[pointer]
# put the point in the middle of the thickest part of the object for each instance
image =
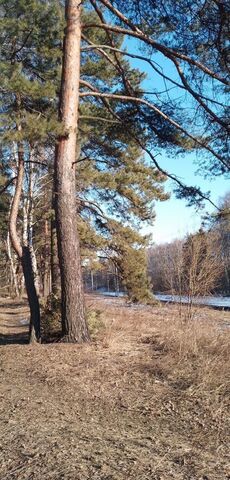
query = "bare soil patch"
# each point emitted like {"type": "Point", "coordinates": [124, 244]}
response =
{"type": "Point", "coordinates": [146, 400]}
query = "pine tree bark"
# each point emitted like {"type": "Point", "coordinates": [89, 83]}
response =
{"type": "Point", "coordinates": [23, 253]}
{"type": "Point", "coordinates": [74, 326]}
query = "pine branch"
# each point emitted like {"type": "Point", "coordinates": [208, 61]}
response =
{"type": "Point", "coordinates": [3, 189]}
{"type": "Point", "coordinates": [21, 46]}
{"type": "Point", "coordinates": [190, 191]}
{"type": "Point", "coordinates": [197, 96]}
{"type": "Point", "coordinates": [152, 63]}
{"type": "Point", "coordinates": [119, 67]}
{"type": "Point", "coordinates": [36, 163]}
{"type": "Point", "coordinates": [138, 33]}
{"type": "Point", "coordinates": [142, 101]}
{"type": "Point", "coordinates": [97, 118]}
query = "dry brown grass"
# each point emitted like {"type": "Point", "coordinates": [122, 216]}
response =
{"type": "Point", "coordinates": [147, 400]}
{"type": "Point", "coordinates": [193, 356]}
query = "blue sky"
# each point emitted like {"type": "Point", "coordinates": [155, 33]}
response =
{"type": "Point", "coordinates": [173, 218]}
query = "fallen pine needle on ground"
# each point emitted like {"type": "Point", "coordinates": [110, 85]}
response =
{"type": "Point", "coordinates": [147, 399]}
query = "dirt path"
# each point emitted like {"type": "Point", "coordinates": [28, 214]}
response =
{"type": "Point", "coordinates": [102, 411]}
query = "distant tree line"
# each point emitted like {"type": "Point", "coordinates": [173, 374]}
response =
{"type": "Point", "coordinates": [198, 264]}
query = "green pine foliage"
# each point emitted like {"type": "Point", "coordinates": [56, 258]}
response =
{"type": "Point", "coordinates": [199, 30]}
{"type": "Point", "coordinates": [117, 185]}
{"type": "Point", "coordinates": [30, 60]}
{"type": "Point", "coordinates": [128, 251]}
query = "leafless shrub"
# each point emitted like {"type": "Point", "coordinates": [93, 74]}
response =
{"type": "Point", "coordinates": [201, 267]}
{"type": "Point", "coordinates": [189, 269]}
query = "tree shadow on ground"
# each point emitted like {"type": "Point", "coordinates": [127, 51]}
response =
{"type": "Point", "coordinates": [14, 326]}
{"type": "Point", "coordinates": [7, 312]}
{"type": "Point", "coordinates": [14, 338]}
{"type": "Point", "coordinates": [12, 305]}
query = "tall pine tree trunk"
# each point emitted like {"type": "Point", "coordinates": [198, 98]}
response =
{"type": "Point", "coordinates": [23, 253]}
{"type": "Point", "coordinates": [74, 324]}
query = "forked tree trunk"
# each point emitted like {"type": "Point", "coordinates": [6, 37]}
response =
{"type": "Point", "coordinates": [23, 253]}
{"type": "Point", "coordinates": [74, 326]}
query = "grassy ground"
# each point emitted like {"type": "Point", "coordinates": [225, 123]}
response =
{"type": "Point", "coordinates": [147, 399]}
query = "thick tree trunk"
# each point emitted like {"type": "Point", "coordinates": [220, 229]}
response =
{"type": "Point", "coordinates": [74, 324]}
{"type": "Point", "coordinates": [24, 254]}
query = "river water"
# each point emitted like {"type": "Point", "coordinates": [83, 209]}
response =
{"type": "Point", "coordinates": [211, 301]}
